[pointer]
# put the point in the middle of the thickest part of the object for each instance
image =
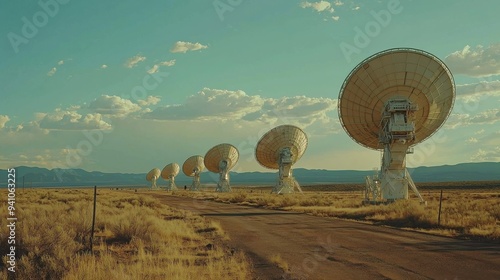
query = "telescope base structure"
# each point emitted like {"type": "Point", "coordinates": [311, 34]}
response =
{"type": "Point", "coordinates": [392, 186]}
{"type": "Point", "coordinates": [286, 182]}
{"type": "Point", "coordinates": [171, 185]}
{"type": "Point", "coordinates": [153, 184]}
{"type": "Point", "coordinates": [286, 185]}
{"type": "Point", "coordinates": [223, 186]}
{"type": "Point", "coordinates": [195, 186]}
{"type": "Point", "coordinates": [397, 135]}
{"type": "Point", "coordinates": [373, 192]}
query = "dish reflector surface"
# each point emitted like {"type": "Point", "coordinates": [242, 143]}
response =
{"type": "Point", "coordinates": [191, 163]}
{"type": "Point", "coordinates": [169, 170]}
{"type": "Point", "coordinates": [155, 172]}
{"type": "Point", "coordinates": [410, 73]}
{"type": "Point", "coordinates": [269, 146]}
{"type": "Point", "coordinates": [220, 152]}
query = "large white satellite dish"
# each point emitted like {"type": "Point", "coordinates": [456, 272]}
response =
{"type": "Point", "coordinates": [279, 149]}
{"type": "Point", "coordinates": [391, 101]}
{"type": "Point", "coordinates": [220, 159]}
{"type": "Point", "coordinates": [168, 173]}
{"type": "Point", "coordinates": [152, 176]}
{"type": "Point", "coordinates": [192, 167]}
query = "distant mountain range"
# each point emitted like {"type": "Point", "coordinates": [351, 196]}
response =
{"type": "Point", "coordinates": [42, 177]}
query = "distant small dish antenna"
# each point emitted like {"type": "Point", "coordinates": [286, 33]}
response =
{"type": "Point", "coordinates": [152, 176]}
{"type": "Point", "coordinates": [392, 101]}
{"type": "Point", "coordinates": [192, 167]}
{"type": "Point", "coordinates": [280, 148]}
{"type": "Point", "coordinates": [221, 159]}
{"type": "Point", "coordinates": [168, 173]}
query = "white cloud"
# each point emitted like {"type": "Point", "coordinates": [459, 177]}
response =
{"type": "Point", "coordinates": [54, 69]}
{"type": "Point", "coordinates": [320, 6]}
{"type": "Point", "coordinates": [481, 131]}
{"type": "Point", "coordinates": [487, 117]}
{"type": "Point", "coordinates": [45, 158]}
{"type": "Point", "coordinates": [224, 105]}
{"type": "Point", "coordinates": [32, 127]}
{"type": "Point", "coordinates": [113, 106]}
{"type": "Point", "coordinates": [72, 120]}
{"type": "Point", "coordinates": [356, 8]}
{"type": "Point", "coordinates": [456, 120]}
{"type": "Point", "coordinates": [39, 116]}
{"type": "Point", "coordinates": [150, 100]}
{"type": "Point", "coordinates": [298, 109]}
{"type": "Point", "coordinates": [471, 140]}
{"type": "Point", "coordinates": [168, 63]}
{"type": "Point", "coordinates": [478, 62]}
{"type": "Point", "coordinates": [491, 139]}
{"type": "Point", "coordinates": [3, 120]}
{"type": "Point", "coordinates": [487, 155]}
{"type": "Point", "coordinates": [314, 115]}
{"type": "Point", "coordinates": [133, 61]}
{"type": "Point", "coordinates": [104, 66]}
{"type": "Point", "coordinates": [52, 72]}
{"type": "Point", "coordinates": [473, 92]}
{"type": "Point", "coordinates": [183, 47]}
{"type": "Point", "coordinates": [153, 69]}
{"type": "Point", "coordinates": [239, 118]}
{"type": "Point", "coordinates": [461, 120]}
{"type": "Point", "coordinates": [325, 8]}
{"type": "Point", "coordinates": [210, 103]}
{"type": "Point", "coordinates": [156, 67]}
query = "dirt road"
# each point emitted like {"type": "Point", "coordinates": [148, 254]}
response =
{"type": "Point", "coordinates": [325, 248]}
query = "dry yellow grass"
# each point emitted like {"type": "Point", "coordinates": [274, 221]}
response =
{"type": "Point", "coordinates": [280, 262]}
{"type": "Point", "coordinates": [136, 238]}
{"type": "Point", "coordinates": [465, 213]}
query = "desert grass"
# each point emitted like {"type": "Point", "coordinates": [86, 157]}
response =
{"type": "Point", "coordinates": [466, 213]}
{"type": "Point", "coordinates": [136, 237]}
{"type": "Point", "coordinates": [280, 262]}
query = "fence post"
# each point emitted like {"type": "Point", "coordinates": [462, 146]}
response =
{"type": "Point", "coordinates": [93, 220]}
{"type": "Point", "coordinates": [439, 213]}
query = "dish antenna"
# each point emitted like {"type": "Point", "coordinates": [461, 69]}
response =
{"type": "Point", "coordinates": [279, 149]}
{"type": "Point", "coordinates": [392, 101]}
{"type": "Point", "coordinates": [220, 159]}
{"type": "Point", "coordinates": [168, 173]}
{"type": "Point", "coordinates": [152, 176]}
{"type": "Point", "coordinates": [192, 167]}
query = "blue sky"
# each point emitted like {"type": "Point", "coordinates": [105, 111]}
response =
{"type": "Point", "coordinates": [128, 86]}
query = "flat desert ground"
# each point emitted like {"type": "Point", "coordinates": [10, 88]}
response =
{"type": "Point", "coordinates": [314, 247]}
{"type": "Point", "coordinates": [323, 233]}
{"type": "Point", "coordinates": [327, 248]}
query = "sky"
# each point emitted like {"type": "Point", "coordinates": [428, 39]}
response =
{"type": "Point", "coordinates": [126, 86]}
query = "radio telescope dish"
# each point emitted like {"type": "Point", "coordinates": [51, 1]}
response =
{"type": "Point", "coordinates": [192, 167]}
{"type": "Point", "coordinates": [168, 173]}
{"type": "Point", "coordinates": [220, 159]}
{"type": "Point", "coordinates": [152, 176]}
{"type": "Point", "coordinates": [391, 101]}
{"type": "Point", "coordinates": [280, 148]}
